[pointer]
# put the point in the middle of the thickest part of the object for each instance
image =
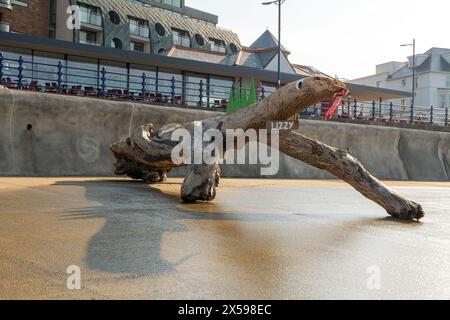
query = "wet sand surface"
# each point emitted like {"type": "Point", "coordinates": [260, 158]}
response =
{"type": "Point", "coordinates": [260, 239]}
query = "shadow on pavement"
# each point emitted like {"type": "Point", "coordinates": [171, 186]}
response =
{"type": "Point", "coordinates": [138, 216]}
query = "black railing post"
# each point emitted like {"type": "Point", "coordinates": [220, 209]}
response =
{"type": "Point", "coordinates": [59, 81]}
{"type": "Point", "coordinates": [411, 120]}
{"type": "Point", "coordinates": [374, 105]}
{"type": "Point", "coordinates": [200, 96]}
{"type": "Point", "coordinates": [144, 86]}
{"type": "Point", "coordinates": [431, 115]}
{"type": "Point", "coordinates": [446, 117]}
{"type": "Point", "coordinates": [173, 90]}
{"type": "Point", "coordinates": [348, 107]}
{"type": "Point", "coordinates": [380, 111]}
{"type": "Point", "coordinates": [391, 112]}
{"type": "Point", "coordinates": [103, 79]}
{"type": "Point", "coordinates": [355, 109]}
{"type": "Point", "coordinates": [20, 75]}
{"type": "Point", "coordinates": [1, 68]}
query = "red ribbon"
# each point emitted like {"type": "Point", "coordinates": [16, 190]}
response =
{"type": "Point", "coordinates": [337, 101]}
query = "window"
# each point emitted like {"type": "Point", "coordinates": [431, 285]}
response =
{"type": "Point", "coordinates": [403, 83]}
{"type": "Point", "coordinates": [137, 46]}
{"type": "Point", "coordinates": [116, 43]}
{"type": "Point", "coordinates": [181, 37]}
{"type": "Point", "coordinates": [52, 20]}
{"type": "Point", "coordinates": [193, 83]}
{"type": "Point", "coordinates": [173, 3]}
{"type": "Point", "coordinates": [217, 45]}
{"type": "Point", "coordinates": [116, 75]}
{"type": "Point", "coordinates": [114, 17]}
{"type": "Point", "coordinates": [219, 89]}
{"type": "Point", "coordinates": [416, 83]}
{"type": "Point", "coordinates": [269, 88]}
{"type": "Point", "coordinates": [444, 99]}
{"type": "Point", "coordinates": [199, 40]}
{"type": "Point", "coordinates": [160, 29]}
{"type": "Point", "coordinates": [139, 27]}
{"type": "Point", "coordinates": [378, 84]}
{"type": "Point", "coordinates": [447, 82]}
{"type": "Point", "coordinates": [136, 78]}
{"type": "Point", "coordinates": [90, 15]}
{"type": "Point", "coordinates": [11, 68]}
{"type": "Point", "coordinates": [82, 71]}
{"type": "Point", "coordinates": [45, 67]}
{"type": "Point", "coordinates": [164, 85]}
{"type": "Point", "coordinates": [234, 48]}
{"type": "Point", "coordinates": [88, 37]}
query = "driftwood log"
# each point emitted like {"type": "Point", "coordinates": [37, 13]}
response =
{"type": "Point", "coordinates": [147, 154]}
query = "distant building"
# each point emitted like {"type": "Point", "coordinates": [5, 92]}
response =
{"type": "Point", "coordinates": [309, 71]}
{"type": "Point", "coordinates": [146, 47]}
{"type": "Point", "coordinates": [432, 82]}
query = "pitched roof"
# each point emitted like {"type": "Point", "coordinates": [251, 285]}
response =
{"type": "Point", "coordinates": [308, 71]}
{"type": "Point", "coordinates": [155, 15]}
{"type": "Point", "coordinates": [434, 60]}
{"type": "Point", "coordinates": [267, 40]}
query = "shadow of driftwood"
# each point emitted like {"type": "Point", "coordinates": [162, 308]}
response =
{"type": "Point", "coordinates": [137, 217]}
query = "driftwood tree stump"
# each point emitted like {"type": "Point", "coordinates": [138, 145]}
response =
{"type": "Point", "coordinates": [147, 154]}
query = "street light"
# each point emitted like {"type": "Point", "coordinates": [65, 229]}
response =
{"type": "Point", "coordinates": [413, 45]}
{"type": "Point", "coordinates": [279, 3]}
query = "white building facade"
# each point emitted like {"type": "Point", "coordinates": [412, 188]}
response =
{"type": "Point", "coordinates": [432, 78]}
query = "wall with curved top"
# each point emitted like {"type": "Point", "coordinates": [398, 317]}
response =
{"type": "Point", "coordinates": [52, 135]}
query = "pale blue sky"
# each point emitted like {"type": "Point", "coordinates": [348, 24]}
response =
{"type": "Point", "coordinates": [343, 37]}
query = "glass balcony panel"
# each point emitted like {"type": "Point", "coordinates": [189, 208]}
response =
{"type": "Point", "coordinates": [181, 41]}
{"type": "Point", "coordinates": [91, 18]}
{"type": "Point", "coordinates": [140, 31]}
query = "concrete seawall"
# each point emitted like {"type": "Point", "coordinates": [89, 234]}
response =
{"type": "Point", "coordinates": [52, 135]}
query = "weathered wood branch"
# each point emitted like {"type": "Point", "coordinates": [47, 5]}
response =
{"type": "Point", "coordinates": [153, 148]}
{"type": "Point", "coordinates": [147, 154]}
{"type": "Point", "coordinates": [349, 169]}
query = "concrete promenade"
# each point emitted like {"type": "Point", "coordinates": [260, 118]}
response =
{"type": "Point", "coordinates": [52, 135]}
{"type": "Point", "coordinates": [259, 240]}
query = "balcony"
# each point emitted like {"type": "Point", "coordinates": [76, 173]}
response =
{"type": "Point", "coordinates": [5, 5]}
{"type": "Point", "coordinates": [181, 41]}
{"type": "Point", "coordinates": [4, 27]}
{"type": "Point", "coordinates": [140, 31]}
{"type": "Point", "coordinates": [92, 19]}
{"type": "Point", "coordinates": [89, 42]}
{"type": "Point", "coordinates": [218, 48]}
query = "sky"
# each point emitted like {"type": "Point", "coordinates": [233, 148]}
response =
{"type": "Point", "coordinates": [347, 38]}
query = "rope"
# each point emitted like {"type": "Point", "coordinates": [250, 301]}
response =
{"type": "Point", "coordinates": [337, 101]}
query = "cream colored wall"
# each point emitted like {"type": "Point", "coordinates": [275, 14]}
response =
{"type": "Point", "coordinates": [62, 32]}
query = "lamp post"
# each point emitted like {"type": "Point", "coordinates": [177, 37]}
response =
{"type": "Point", "coordinates": [413, 45]}
{"type": "Point", "coordinates": [279, 3]}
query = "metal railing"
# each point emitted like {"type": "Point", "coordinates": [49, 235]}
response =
{"type": "Point", "coordinates": [106, 82]}
{"type": "Point", "coordinates": [181, 40]}
{"type": "Point", "coordinates": [91, 18]}
{"type": "Point", "coordinates": [141, 31]}
{"type": "Point", "coordinates": [93, 43]}
{"type": "Point", "coordinates": [382, 112]}
{"type": "Point", "coordinates": [218, 48]}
